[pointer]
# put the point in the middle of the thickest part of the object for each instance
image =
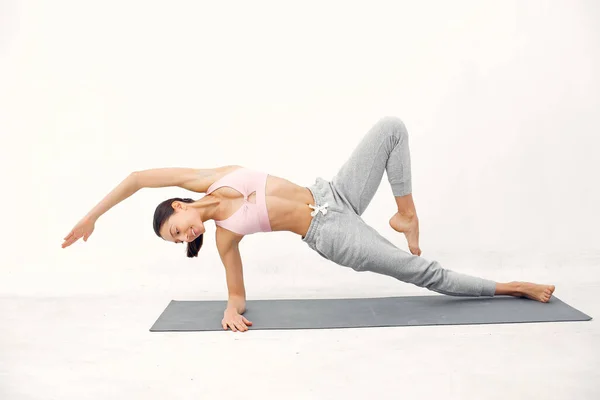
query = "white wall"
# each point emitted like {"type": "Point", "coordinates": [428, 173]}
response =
{"type": "Point", "coordinates": [501, 100]}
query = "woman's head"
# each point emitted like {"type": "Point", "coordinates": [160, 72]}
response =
{"type": "Point", "coordinates": [176, 221]}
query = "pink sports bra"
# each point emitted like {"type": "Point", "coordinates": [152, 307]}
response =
{"type": "Point", "coordinates": [250, 217]}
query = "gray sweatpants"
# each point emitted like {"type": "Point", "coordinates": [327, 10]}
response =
{"type": "Point", "coordinates": [339, 234]}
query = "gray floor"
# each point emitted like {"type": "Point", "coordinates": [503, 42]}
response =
{"type": "Point", "coordinates": [97, 346]}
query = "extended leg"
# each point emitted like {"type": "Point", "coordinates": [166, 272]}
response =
{"type": "Point", "coordinates": [348, 240]}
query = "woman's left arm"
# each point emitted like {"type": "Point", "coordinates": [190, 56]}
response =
{"type": "Point", "coordinates": [187, 178]}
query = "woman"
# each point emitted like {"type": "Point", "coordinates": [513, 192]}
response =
{"type": "Point", "coordinates": [326, 215]}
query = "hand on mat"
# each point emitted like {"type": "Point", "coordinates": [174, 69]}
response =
{"type": "Point", "coordinates": [236, 321]}
{"type": "Point", "coordinates": [83, 229]}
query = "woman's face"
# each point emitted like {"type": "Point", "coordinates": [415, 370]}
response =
{"type": "Point", "coordinates": [184, 225]}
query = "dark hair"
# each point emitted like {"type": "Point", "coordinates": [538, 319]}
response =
{"type": "Point", "coordinates": [163, 211]}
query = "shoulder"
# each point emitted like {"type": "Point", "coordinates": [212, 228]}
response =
{"type": "Point", "coordinates": [219, 172]}
{"type": "Point", "coordinates": [201, 179]}
{"type": "Point", "coordinates": [222, 170]}
{"type": "Point", "coordinates": [230, 167]}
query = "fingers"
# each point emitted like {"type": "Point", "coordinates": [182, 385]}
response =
{"type": "Point", "coordinates": [242, 323]}
{"type": "Point", "coordinates": [415, 251]}
{"type": "Point", "coordinates": [236, 325]}
{"type": "Point", "coordinates": [72, 238]}
{"type": "Point", "coordinates": [240, 326]}
{"type": "Point", "coordinates": [229, 324]}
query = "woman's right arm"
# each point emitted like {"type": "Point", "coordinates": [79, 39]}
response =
{"type": "Point", "coordinates": [85, 227]}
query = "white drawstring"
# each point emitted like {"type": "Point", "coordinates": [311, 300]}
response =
{"type": "Point", "coordinates": [322, 208]}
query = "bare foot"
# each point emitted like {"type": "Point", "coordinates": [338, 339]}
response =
{"type": "Point", "coordinates": [409, 225]}
{"type": "Point", "coordinates": [535, 291]}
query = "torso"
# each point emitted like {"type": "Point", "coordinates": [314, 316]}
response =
{"type": "Point", "coordinates": [287, 202]}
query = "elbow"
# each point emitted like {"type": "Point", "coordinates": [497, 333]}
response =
{"type": "Point", "coordinates": [134, 178]}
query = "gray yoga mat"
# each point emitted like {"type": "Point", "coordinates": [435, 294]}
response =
{"type": "Point", "coordinates": [367, 312]}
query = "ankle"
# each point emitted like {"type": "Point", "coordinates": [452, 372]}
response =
{"type": "Point", "coordinates": [516, 287]}
{"type": "Point", "coordinates": [407, 213]}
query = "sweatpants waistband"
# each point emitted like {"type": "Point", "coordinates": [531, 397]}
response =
{"type": "Point", "coordinates": [325, 202]}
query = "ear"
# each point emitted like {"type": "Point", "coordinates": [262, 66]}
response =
{"type": "Point", "coordinates": [178, 205]}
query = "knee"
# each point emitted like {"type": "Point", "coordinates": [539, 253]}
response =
{"type": "Point", "coordinates": [392, 126]}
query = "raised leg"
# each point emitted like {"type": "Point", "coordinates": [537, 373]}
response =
{"type": "Point", "coordinates": [383, 148]}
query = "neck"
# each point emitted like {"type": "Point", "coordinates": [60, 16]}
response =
{"type": "Point", "coordinates": [207, 207]}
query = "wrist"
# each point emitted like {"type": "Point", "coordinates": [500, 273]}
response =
{"type": "Point", "coordinates": [231, 309]}
{"type": "Point", "coordinates": [91, 217]}
{"type": "Point", "coordinates": [236, 308]}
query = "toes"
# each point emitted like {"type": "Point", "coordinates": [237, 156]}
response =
{"type": "Point", "coordinates": [415, 251]}
{"type": "Point", "coordinates": [546, 297]}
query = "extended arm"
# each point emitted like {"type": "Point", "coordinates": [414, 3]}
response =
{"type": "Point", "coordinates": [125, 189]}
{"type": "Point", "coordinates": [85, 226]}
{"type": "Point", "coordinates": [187, 178]}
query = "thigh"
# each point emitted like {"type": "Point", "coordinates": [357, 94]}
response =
{"type": "Point", "coordinates": [347, 240]}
